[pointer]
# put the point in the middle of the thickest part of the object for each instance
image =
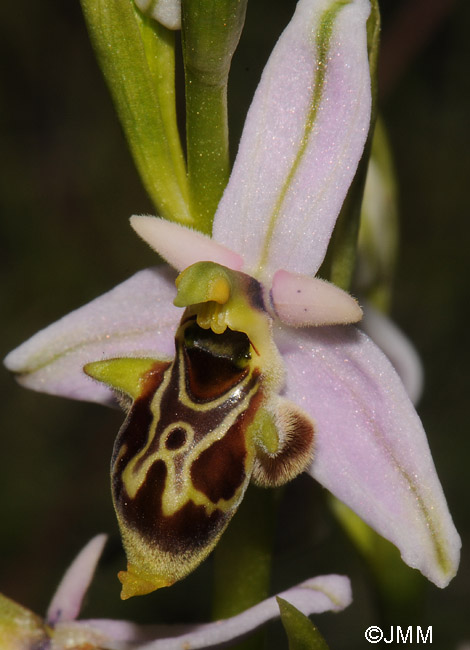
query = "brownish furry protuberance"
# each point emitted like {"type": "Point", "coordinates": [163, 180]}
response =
{"type": "Point", "coordinates": [295, 451]}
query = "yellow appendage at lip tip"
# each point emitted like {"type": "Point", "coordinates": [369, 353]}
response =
{"type": "Point", "coordinates": [134, 584]}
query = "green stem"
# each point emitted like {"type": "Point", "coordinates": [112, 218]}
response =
{"type": "Point", "coordinates": [210, 30]}
{"type": "Point", "coordinates": [243, 559]}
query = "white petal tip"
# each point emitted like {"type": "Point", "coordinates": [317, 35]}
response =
{"type": "Point", "coordinates": [166, 12]}
{"type": "Point", "coordinates": [301, 301]}
{"type": "Point", "coordinates": [336, 589]}
{"type": "Point", "coordinates": [440, 566]}
{"type": "Point", "coordinates": [180, 246]}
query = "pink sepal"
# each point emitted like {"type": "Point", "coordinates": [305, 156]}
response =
{"type": "Point", "coordinates": [135, 319]}
{"type": "Point", "coordinates": [371, 450]}
{"type": "Point", "coordinates": [303, 137]}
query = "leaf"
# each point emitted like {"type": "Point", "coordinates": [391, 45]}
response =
{"type": "Point", "coordinates": [136, 56]}
{"type": "Point", "coordinates": [301, 632]}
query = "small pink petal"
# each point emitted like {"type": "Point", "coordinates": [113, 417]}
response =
{"type": "Point", "coordinates": [181, 246]}
{"type": "Point", "coordinates": [301, 142]}
{"type": "Point", "coordinates": [67, 600]}
{"type": "Point", "coordinates": [371, 450]}
{"type": "Point", "coordinates": [136, 318]}
{"type": "Point", "coordinates": [301, 300]}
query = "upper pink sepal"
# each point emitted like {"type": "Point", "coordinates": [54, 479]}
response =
{"type": "Point", "coordinates": [301, 143]}
{"type": "Point", "coordinates": [181, 246]}
{"type": "Point", "coordinates": [302, 301]}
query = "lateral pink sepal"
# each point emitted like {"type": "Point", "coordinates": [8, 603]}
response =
{"type": "Point", "coordinates": [302, 301]}
{"type": "Point", "coordinates": [135, 319]}
{"type": "Point", "coordinates": [181, 246]}
{"type": "Point", "coordinates": [371, 450]}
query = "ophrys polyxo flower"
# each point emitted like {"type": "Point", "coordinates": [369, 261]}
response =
{"type": "Point", "coordinates": [200, 427]}
{"type": "Point", "coordinates": [302, 140]}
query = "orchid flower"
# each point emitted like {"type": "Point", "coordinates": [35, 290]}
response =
{"type": "Point", "coordinates": [21, 629]}
{"type": "Point", "coordinates": [307, 390]}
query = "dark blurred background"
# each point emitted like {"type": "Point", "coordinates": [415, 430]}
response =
{"type": "Point", "coordinates": [67, 188]}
